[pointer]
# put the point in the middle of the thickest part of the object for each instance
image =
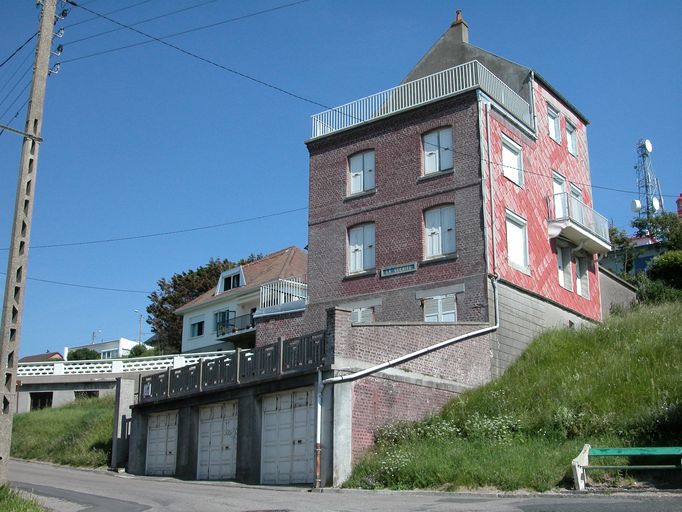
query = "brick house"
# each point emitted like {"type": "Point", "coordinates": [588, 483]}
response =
{"type": "Point", "coordinates": [450, 221]}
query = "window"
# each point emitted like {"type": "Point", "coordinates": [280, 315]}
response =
{"type": "Point", "coordinates": [554, 123]}
{"type": "Point", "coordinates": [576, 200]}
{"type": "Point", "coordinates": [363, 315]}
{"type": "Point", "coordinates": [361, 248]}
{"type": "Point", "coordinates": [564, 267]}
{"type": "Point", "coordinates": [582, 282]}
{"type": "Point", "coordinates": [571, 139]}
{"type": "Point", "coordinates": [196, 328]}
{"type": "Point", "coordinates": [437, 146]}
{"type": "Point", "coordinates": [517, 241]}
{"type": "Point", "coordinates": [230, 282]}
{"type": "Point", "coordinates": [558, 191]}
{"type": "Point", "coordinates": [85, 395]}
{"type": "Point", "coordinates": [361, 168]}
{"type": "Point", "coordinates": [439, 231]}
{"type": "Point", "coordinates": [109, 354]}
{"type": "Point", "coordinates": [41, 400]}
{"type": "Point", "coordinates": [441, 308]}
{"type": "Point", "coordinates": [512, 161]}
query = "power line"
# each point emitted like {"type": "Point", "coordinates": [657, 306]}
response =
{"type": "Point", "coordinates": [26, 57]}
{"type": "Point", "coordinates": [15, 86]}
{"type": "Point", "coordinates": [200, 4]}
{"type": "Point", "coordinates": [165, 233]}
{"type": "Point", "coordinates": [17, 50]}
{"type": "Point", "coordinates": [204, 59]}
{"type": "Point", "coordinates": [15, 115]}
{"type": "Point", "coordinates": [74, 285]}
{"type": "Point", "coordinates": [23, 89]}
{"type": "Point", "coordinates": [110, 12]}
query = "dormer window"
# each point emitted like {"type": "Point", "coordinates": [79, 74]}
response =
{"type": "Point", "coordinates": [231, 279]}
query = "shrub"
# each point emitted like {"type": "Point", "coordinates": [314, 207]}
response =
{"type": "Point", "coordinates": [667, 268]}
{"type": "Point", "coordinates": [82, 354]}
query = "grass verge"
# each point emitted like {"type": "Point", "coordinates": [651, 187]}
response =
{"type": "Point", "coordinates": [616, 384]}
{"type": "Point", "coordinates": [11, 501]}
{"type": "Point", "coordinates": [77, 434]}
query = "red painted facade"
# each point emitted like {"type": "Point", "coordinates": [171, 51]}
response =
{"type": "Point", "coordinates": [541, 157]}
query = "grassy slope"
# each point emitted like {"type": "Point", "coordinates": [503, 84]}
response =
{"type": "Point", "coordinates": [78, 434]}
{"type": "Point", "coordinates": [617, 384]}
{"type": "Point", "coordinates": [10, 501]}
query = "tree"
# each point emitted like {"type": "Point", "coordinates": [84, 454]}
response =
{"type": "Point", "coordinates": [141, 350]}
{"type": "Point", "coordinates": [82, 354]}
{"type": "Point", "coordinates": [620, 241]}
{"type": "Point", "coordinates": [667, 268]}
{"type": "Point", "coordinates": [666, 227]}
{"type": "Point", "coordinates": [177, 291]}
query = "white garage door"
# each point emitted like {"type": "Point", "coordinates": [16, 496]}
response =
{"type": "Point", "coordinates": [217, 441]}
{"type": "Point", "coordinates": [162, 440]}
{"type": "Point", "coordinates": [288, 440]}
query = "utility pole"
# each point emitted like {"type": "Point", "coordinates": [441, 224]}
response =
{"type": "Point", "coordinates": [12, 309]}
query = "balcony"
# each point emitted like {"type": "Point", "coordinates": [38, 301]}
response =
{"type": "Point", "coordinates": [449, 82]}
{"type": "Point", "coordinates": [577, 222]}
{"type": "Point", "coordinates": [281, 292]}
{"type": "Point", "coordinates": [231, 325]}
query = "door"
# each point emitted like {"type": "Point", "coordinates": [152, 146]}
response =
{"type": "Point", "coordinates": [217, 441]}
{"type": "Point", "coordinates": [162, 440]}
{"type": "Point", "coordinates": [288, 437]}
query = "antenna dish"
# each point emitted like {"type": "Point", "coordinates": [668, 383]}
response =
{"type": "Point", "coordinates": [648, 146]}
{"type": "Point", "coordinates": [655, 203]}
{"type": "Point", "coordinates": [636, 205]}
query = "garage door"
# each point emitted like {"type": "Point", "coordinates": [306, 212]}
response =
{"type": "Point", "coordinates": [217, 441]}
{"type": "Point", "coordinates": [288, 439]}
{"type": "Point", "coordinates": [162, 440]}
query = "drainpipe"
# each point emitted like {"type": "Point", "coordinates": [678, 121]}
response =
{"type": "Point", "coordinates": [388, 364]}
{"type": "Point", "coordinates": [491, 185]}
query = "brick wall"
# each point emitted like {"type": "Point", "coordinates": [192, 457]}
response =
{"type": "Point", "coordinates": [286, 326]}
{"type": "Point", "coordinates": [396, 207]}
{"type": "Point", "coordinates": [378, 402]}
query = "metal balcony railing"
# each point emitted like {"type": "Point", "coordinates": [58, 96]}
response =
{"type": "Point", "coordinates": [234, 368]}
{"type": "Point", "coordinates": [234, 325]}
{"type": "Point", "coordinates": [564, 206]}
{"type": "Point", "coordinates": [282, 291]}
{"type": "Point", "coordinates": [449, 82]}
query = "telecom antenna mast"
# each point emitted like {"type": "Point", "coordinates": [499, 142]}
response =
{"type": "Point", "coordinates": [650, 200]}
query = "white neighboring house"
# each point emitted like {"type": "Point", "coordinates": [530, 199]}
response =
{"type": "Point", "coordinates": [224, 318]}
{"type": "Point", "coordinates": [106, 349]}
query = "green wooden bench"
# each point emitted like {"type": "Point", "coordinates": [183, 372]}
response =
{"type": "Point", "coordinates": [582, 462]}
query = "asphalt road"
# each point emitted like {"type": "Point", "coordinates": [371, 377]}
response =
{"type": "Point", "coordinates": [72, 490]}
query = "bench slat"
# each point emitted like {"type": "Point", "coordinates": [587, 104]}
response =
{"type": "Point", "coordinates": [672, 466]}
{"type": "Point", "coordinates": [615, 452]}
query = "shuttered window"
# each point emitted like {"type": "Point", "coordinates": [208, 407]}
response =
{"type": "Point", "coordinates": [517, 241]}
{"type": "Point", "coordinates": [554, 123]}
{"type": "Point", "coordinates": [441, 308]}
{"type": "Point", "coordinates": [512, 161]}
{"type": "Point", "coordinates": [363, 315]}
{"type": "Point", "coordinates": [564, 267]}
{"type": "Point", "coordinates": [582, 283]}
{"type": "Point", "coordinates": [571, 139]}
{"type": "Point", "coordinates": [439, 231]}
{"type": "Point", "coordinates": [361, 166]}
{"type": "Point", "coordinates": [361, 248]}
{"type": "Point", "coordinates": [437, 146]}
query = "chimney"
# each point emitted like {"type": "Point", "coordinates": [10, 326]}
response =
{"type": "Point", "coordinates": [460, 29]}
{"type": "Point", "coordinates": [679, 206]}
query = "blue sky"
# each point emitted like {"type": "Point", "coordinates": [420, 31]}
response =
{"type": "Point", "coordinates": [149, 140]}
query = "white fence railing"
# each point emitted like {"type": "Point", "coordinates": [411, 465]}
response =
{"type": "Point", "coordinates": [282, 291]}
{"type": "Point", "coordinates": [99, 366]}
{"type": "Point", "coordinates": [448, 82]}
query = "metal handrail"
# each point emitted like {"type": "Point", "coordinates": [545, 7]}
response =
{"type": "Point", "coordinates": [564, 206]}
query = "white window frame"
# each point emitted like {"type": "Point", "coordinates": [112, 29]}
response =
{"type": "Point", "coordinates": [513, 172]}
{"type": "Point", "coordinates": [554, 120]}
{"type": "Point", "coordinates": [438, 155]}
{"type": "Point", "coordinates": [522, 224]}
{"type": "Point", "coordinates": [109, 354]}
{"type": "Point", "coordinates": [440, 238]}
{"type": "Point", "coordinates": [564, 256]}
{"type": "Point", "coordinates": [560, 203]}
{"type": "Point", "coordinates": [361, 248]}
{"type": "Point", "coordinates": [582, 276]}
{"type": "Point", "coordinates": [437, 308]}
{"type": "Point", "coordinates": [195, 321]}
{"type": "Point", "coordinates": [361, 172]}
{"type": "Point", "coordinates": [571, 138]}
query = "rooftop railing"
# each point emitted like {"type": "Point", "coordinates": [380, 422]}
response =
{"type": "Point", "coordinates": [281, 291]}
{"type": "Point", "coordinates": [449, 82]}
